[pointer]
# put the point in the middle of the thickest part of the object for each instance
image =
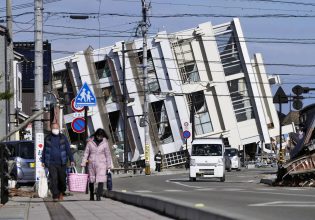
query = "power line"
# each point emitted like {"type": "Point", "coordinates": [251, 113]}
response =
{"type": "Point", "coordinates": [271, 40]}
{"type": "Point", "coordinates": [182, 15]}
{"type": "Point", "coordinates": [218, 6]}
{"type": "Point", "coordinates": [27, 5]}
{"type": "Point", "coordinates": [208, 61]}
{"type": "Point", "coordinates": [282, 2]}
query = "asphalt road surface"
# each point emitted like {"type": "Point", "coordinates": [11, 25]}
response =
{"type": "Point", "coordinates": [241, 196]}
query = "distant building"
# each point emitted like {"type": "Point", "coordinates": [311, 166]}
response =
{"type": "Point", "coordinates": [205, 70]}
{"type": "Point", "coordinates": [25, 68]}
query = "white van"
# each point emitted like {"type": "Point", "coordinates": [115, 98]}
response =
{"type": "Point", "coordinates": [207, 159]}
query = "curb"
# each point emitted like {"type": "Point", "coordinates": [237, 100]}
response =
{"type": "Point", "coordinates": [165, 207]}
{"type": "Point", "coordinates": [269, 182]}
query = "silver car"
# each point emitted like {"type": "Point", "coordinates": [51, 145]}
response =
{"type": "Point", "coordinates": [22, 156]}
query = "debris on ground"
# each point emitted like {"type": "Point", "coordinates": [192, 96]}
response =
{"type": "Point", "coordinates": [22, 193]}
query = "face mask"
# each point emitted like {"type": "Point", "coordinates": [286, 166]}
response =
{"type": "Point", "coordinates": [98, 138]}
{"type": "Point", "coordinates": [55, 131]}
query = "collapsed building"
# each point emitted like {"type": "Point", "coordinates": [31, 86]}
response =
{"type": "Point", "coordinates": [205, 72]}
{"type": "Point", "coordinates": [300, 169]}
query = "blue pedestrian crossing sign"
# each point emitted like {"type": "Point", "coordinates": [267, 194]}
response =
{"type": "Point", "coordinates": [85, 97]}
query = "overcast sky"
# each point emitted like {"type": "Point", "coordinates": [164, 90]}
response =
{"type": "Point", "coordinates": [282, 30]}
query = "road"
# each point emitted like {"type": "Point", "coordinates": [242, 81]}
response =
{"type": "Point", "coordinates": [241, 196]}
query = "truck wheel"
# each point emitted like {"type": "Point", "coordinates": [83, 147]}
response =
{"type": "Point", "coordinates": [222, 179]}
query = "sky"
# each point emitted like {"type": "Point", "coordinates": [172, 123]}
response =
{"type": "Point", "coordinates": [282, 30]}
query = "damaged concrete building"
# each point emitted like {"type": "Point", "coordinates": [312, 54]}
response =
{"type": "Point", "coordinates": [205, 71]}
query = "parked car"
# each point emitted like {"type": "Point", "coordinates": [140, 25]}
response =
{"type": "Point", "coordinates": [22, 156]}
{"type": "Point", "coordinates": [233, 155]}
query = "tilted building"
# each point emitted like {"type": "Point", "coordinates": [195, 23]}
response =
{"type": "Point", "coordinates": [205, 71]}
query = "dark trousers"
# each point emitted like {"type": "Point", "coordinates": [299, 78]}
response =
{"type": "Point", "coordinates": [158, 167]}
{"type": "Point", "coordinates": [57, 178]}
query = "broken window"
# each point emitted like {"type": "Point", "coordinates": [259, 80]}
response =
{"type": "Point", "coordinates": [240, 99]}
{"type": "Point", "coordinates": [153, 83]}
{"type": "Point", "coordinates": [186, 61]}
{"type": "Point", "coordinates": [229, 53]}
{"type": "Point", "coordinates": [102, 69]}
{"type": "Point", "coordinates": [161, 122]}
{"type": "Point", "coordinates": [109, 94]}
{"type": "Point", "coordinates": [202, 119]}
{"type": "Point", "coordinates": [115, 126]}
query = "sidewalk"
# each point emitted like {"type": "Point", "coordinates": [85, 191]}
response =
{"type": "Point", "coordinates": [78, 205]}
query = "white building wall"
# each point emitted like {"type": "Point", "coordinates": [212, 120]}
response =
{"type": "Point", "coordinates": [224, 111]}
{"type": "Point", "coordinates": [261, 120]}
{"type": "Point", "coordinates": [17, 85]}
{"type": "Point", "coordinates": [170, 67]}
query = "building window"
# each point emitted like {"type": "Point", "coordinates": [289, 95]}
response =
{"type": "Point", "coordinates": [201, 114]}
{"type": "Point", "coordinates": [153, 83]}
{"type": "Point", "coordinates": [108, 94]}
{"type": "Point", "coordinates": [102, 69]}
{"type": "Point", "coordinates": [161, 122]}
{"type": "Point", "coordinates": [186, 61]}
{"type": "Point", "coordinates": [240, 99]}
{"type": "Point", "coordinates": [229, 53]}
{"type": "Point", "coordinates": [116, 126]}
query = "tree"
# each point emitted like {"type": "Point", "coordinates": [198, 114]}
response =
{"type": "Point", "coordinates": [5, 95]}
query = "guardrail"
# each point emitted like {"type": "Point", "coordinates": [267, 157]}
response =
{"type": "Point", "coordinates": [128, 170]}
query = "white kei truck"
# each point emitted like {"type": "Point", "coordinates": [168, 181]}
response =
{"type": "Point", "coordinates": [207, 159]}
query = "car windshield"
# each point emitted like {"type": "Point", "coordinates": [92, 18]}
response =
{"type": "Point", "coordinates": [206, 150]}
{"type": "Point", "coordinates": [26, 150]}
{"type": "Point", "coordinates": [231, 152]}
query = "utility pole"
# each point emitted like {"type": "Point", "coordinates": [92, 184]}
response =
{"type": "Point", "coordinates": [38, 103]}
{"type": "Point", "coordinates": [144, 29]}
{"type": "Point", "coordinates": [125, 108]}
{"type": "Point", "coordinates": [10, 111]}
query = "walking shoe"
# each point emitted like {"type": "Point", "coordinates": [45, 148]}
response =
{"type": "Point", "coordinates": [61, 197]}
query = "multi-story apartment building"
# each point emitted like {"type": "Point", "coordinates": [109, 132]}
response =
{"type": "Point", "coordinates": [204, 73]}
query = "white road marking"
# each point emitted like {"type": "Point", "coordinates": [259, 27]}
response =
{"type": "Point", "coordinates": [206, 189]}
{"type": "Point", "coordinates": [143, 191]}
{"type": "Point", "coordinates": [265, 189]}
{"type": "Point", "coordinates": [285, 204]}
{"type": "Point", "coordinates": [173, 190]}
{"type": "Point", "coordinates": [182, 184]}
{"type": "Point", "coordinates": [294, 189]}
{"type": "Point", "coordinates": [276, 193]}
{"type": "Point", "coordinates": [231, 189]}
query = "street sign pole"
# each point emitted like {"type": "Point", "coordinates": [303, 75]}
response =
{"type": "Point", "coordinates": [280, 128]}
{"type": "Point", "coordinates": [85, 140]}
{"type": "Point", "coordinates": [280, 97]}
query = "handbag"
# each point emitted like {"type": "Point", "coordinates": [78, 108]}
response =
{"type": "Point", "coordinates": [77, 182]}
{"type": "Point", "coordinates": [109, 182]}
{"type": "Point", "coordinates": [43, 184]}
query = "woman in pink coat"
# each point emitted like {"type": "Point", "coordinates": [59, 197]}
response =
{"type": "Point", "coordinates": [97, 155]}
